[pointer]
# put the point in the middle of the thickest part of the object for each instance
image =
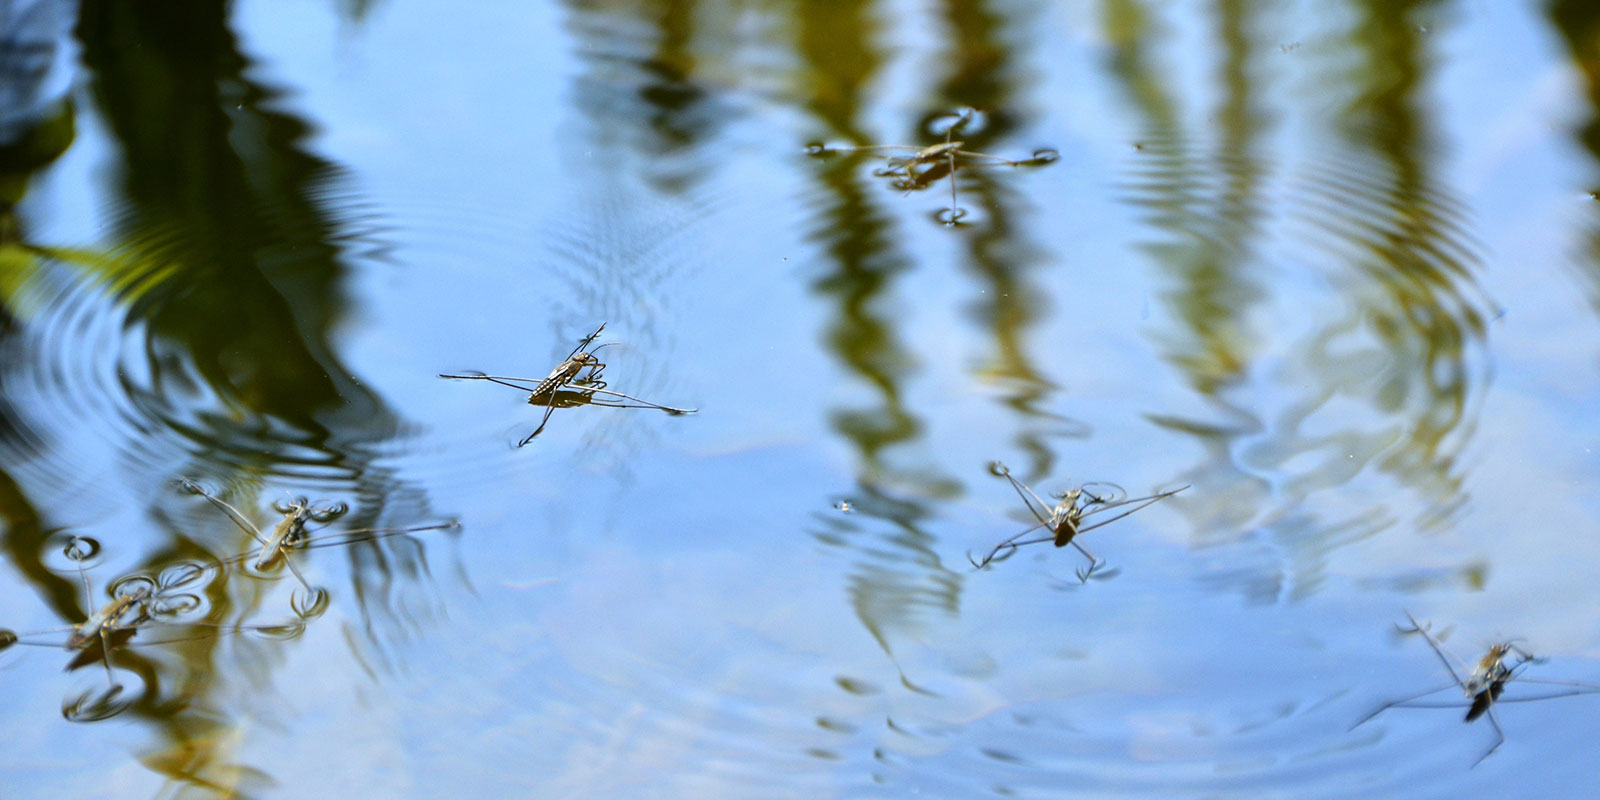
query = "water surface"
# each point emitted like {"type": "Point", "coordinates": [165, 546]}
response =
{"type": "Point", "coordinates": [1336, 266]}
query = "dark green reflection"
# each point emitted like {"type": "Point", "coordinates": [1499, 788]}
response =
{"type": "Point", "coordinates": [230, 252]}
{"type": "Point", "coordinates": [228, 242]}
{"type": "Point", "coordinates": [1578, 23]}
{"type": "Point", "coordinates": [36, 128]}
{"type": "Point", "coordinates": [226, 263]}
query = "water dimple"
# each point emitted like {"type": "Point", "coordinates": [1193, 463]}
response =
{"type": "Point", "coordinates": [180, 574]}
{"type": "Point", "coordinates": [81, 548]}
{"type": "Point", "coordinates": [96, 706]}
{"type": "Point", "coordinates": [131, 585]}
{"type": "Point", "coordinates": [175, 605]}
{"type": "Point", "coordinates": [950, 217]}
{"type": "Point", "coordinates": [312, 605]}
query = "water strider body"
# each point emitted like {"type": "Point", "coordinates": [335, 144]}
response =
{"type": "Point", "coordinates": [566, 373]}
{"type": "Point", "coordinates": [923, 165]}
{"type": "Point", "coordinates": [567, 385]}
{"type": "Point", "coordinates": [290, 532]}
{"type": "Point", "coordinates": [1064, 520]}
{"type": "Point", "coordinates": [1483, 685]}
{"type": "Point", "coordinates": [1489, 677]}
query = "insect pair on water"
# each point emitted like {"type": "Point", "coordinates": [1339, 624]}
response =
{"type": "Point", "coordinates": [1483, 684]}
{"type": "Point", "coordinates": [1063, 521]}
{"type": "Point", "coordinates": [912, 168]}
{"type": "Point", "coordinates": [161, 609]}
{"type": "Point", "coordinates": [576, 381]}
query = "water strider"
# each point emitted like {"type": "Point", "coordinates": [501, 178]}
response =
{"type": "Point", "coordinates": [138, 603]}
{"type": "Point", "coordinates": [1064, 519]}
{"type": "Point", "coordinates": [1483, 684]}
{"type": "Point", "coordinates": [290, 535]}
{"type": "Point", "coordinates": [936, 161]}
{"type": "Point", "coordinates": [573, 382]}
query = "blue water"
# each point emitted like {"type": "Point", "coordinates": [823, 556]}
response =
{"type": "Point", "coordinates": [1331, 265]}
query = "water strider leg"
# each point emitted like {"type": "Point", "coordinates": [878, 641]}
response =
{"type": "Point", "coordinates": [1499, 739]}
{"type": "Point", "coordinates": [232, 513]}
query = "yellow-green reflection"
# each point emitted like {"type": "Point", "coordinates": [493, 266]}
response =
{"type": "Point", "coordinates": [1407, 340]}
{"type": "Point", "coordinates": [999, 250]}
{"type": "Point", "coordinates": [896, 578]}
{"type": "Point", "coordinates": [1207, 243]}
{"type": "Point", "coordinates": [1211, 235]}
{"type": "Point", "coordinates": [1412, 291]}
{"type": "Point", "coordinates": [862, 259]}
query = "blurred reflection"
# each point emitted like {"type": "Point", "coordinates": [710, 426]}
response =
{"type": "Point", "coordinates": [895, 571]}
{"type": "Point", "coordinates": [36, 127]}
{"type": "Point", "coordinates": [31, 38]}
{"type": "Point", "coordinates": [1578, 22]}
{"type": "Point", "coordinates": [1208, 202]}
{"type": "Point", "coordinates": [641, 91]}
{"type": "Point", "coordinates": [645, 92]}
{"type": "Point", "coordinates": [228, 250]}
{"type": "Point", "coordinates": [230, 261]}
{"type": "Point", "coordinates": [1207, 205]}
{"type": "Point", "coordinates": [862, 334]}
{"type": "Point", "coordinates": [1407, 340]}
{"type": "Point", "coordinates": [1417, 254]}
{"type": "Point", "coordinates": [206, 332]}
{"type": "Point", "coordinates": [1000, 253]}
{"type": "Point", "coordinates": [355, 10]}
{"type": "Point", "coordinates": [896, 578]}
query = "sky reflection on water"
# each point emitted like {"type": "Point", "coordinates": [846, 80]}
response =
{"type": "Point", "coordinates": [1332, 264]}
